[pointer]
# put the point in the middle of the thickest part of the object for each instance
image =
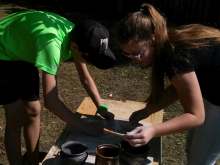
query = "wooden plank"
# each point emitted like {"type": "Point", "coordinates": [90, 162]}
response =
{"type": "Point", "coordinates": [123, 108]}
{"type": "Point", "coordinates": [87, 107]}
{"type": "Point", "coordinates": [155, 118]}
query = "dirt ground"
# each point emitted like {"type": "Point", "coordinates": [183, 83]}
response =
{"type": "Point", "coordinates": [126, 81]}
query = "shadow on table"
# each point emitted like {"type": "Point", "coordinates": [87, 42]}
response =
{"type": "Point", "coordinates": [124, 125]}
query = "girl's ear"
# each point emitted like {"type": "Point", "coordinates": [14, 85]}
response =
{"type": "Point", "coordinates": [153, 37]}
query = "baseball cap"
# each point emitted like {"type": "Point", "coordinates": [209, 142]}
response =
{"type": "Point", "coordinates": [92, 39]}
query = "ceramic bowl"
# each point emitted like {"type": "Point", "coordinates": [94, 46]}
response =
{"type": "Point", "coordinates": [74, 153]}
{"type": "Point", "coordinates": [133, 155]}
{"type": "Point", "coordinates": [107, 154]}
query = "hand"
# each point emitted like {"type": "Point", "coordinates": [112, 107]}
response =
{"type": "Point", "coordinates": [140, 136]}
{"type": "Point", "coordinates": [139, 115]}
{"type": "Point", "coordinates": [93, 129]}
{"type": "Point", "coordinates": [109, 117]}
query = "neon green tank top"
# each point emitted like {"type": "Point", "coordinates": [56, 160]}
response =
{"type": "Point", "coordinates": [37, 37]}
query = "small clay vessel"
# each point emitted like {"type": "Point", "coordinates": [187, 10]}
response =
{"type": "Point", "coordinates": [133, 155]}
{"type": "Point", "coordinates": [107, 154]}
{"type": "Point", "coordinates": [74, 153]}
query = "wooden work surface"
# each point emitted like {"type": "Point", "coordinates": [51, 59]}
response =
{"type": "Point", "coordinates": [122, 111]}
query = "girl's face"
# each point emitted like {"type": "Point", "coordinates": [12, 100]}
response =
{"type": "Point", "coordinates": [139, 54]}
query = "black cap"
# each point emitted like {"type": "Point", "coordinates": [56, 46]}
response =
{"type": "Point", "coordinates": [92, 39]}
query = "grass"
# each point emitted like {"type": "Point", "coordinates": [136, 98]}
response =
{"type": "Point", "coordinates": [126, 81]}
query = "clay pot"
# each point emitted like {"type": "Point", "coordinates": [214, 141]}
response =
{"type": "Point", "coordinates": [74, 153]}
{"type": "Point", "coordinates": [107, 154]}
{"type": "Point", "coordinates": [133, 155]}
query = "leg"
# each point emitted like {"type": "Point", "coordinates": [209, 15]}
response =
{"type": "Point", "coordinates": [20, 80]}
{"type": "Point", "coordinates": [205, 145]}
{"type": "Point", "coordinates": [29, 93]}
{"type": "Point", "coordinates": [32, 130]}
{"type": "Point", "coordinates": [14, 123]}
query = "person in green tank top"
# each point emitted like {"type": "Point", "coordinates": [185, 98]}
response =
{"type": "Point", "coordinates": [35, 40]}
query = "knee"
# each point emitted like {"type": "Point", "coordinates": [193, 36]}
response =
{"type": "Point", "coordinates": [32, 109]}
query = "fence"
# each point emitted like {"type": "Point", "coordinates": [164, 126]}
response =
{"type": "Point", "coordinates": [182, 11]}
{"type": "Point", "coordinates": [176, 11]}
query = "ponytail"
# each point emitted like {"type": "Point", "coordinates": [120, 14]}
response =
{"type": "Point", "coordinates": [159, 27]}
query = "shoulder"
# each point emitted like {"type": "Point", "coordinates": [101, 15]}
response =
{"type": "Point", "coordinates": [178, 62]}
{"type": "Point", "coordinates": [47, 19]}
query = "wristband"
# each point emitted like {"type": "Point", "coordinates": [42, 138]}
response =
{"type": "Point", "coordinates": [101, 107]}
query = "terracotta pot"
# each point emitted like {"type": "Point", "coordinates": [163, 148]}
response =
{"type": "Point", "coordinates": [107, 154]}
{"type": "Point", "coordinates": [133, 155]}
{"type": "Point", "coordinates": [74, 153]}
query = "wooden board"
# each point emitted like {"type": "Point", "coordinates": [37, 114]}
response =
{"type": "Point", "coordinates": [122, 111]}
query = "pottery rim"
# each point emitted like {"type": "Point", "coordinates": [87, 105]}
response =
{"type": "Point", "coordinates": [132, 154]}
{"type": "Point", "coordinates": [113, 146]}
{"type": "Point", "coordinates": [65, 145]}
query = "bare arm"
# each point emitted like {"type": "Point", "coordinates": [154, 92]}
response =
{"type": "Point", "coordinates": [88, 83]}
{"type": "Point", "coordinates": [56, 106]}
{"type": "Point", "coordinates": [189, 94]}
{"type": "Point", "coordinates": [169, 97]}
{"type": "Point", "coordinates": [92, 91]}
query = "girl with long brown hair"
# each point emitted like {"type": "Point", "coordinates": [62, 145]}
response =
{"type": "Point", "coordinates": [189, 56]}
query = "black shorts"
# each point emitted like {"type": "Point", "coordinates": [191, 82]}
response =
{"type": "Point", "coordinates": [18, 80]}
